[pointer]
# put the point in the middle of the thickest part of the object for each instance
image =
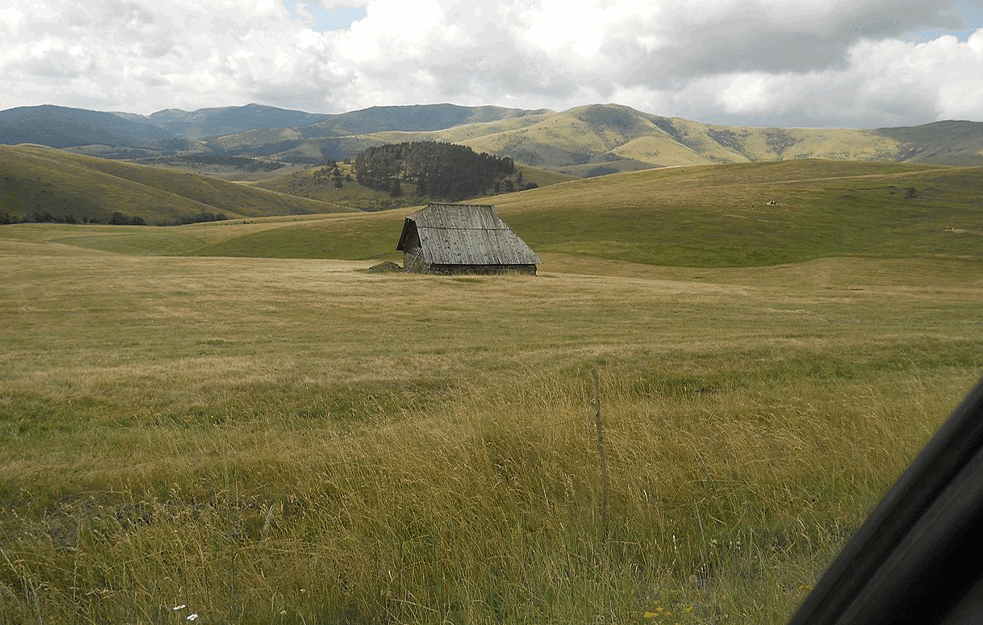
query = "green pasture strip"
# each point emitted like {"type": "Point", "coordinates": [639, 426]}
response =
{"type": "Point", "coordinates": [721, 216]}
{"type": "Point", "coordinates": [710, 217]}
{"type": "Point", "coordinates": [761, 214]}
{"type": "Point", "coordinates": [360, 237]}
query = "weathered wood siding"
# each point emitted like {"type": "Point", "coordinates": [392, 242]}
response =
{"type": "Point", "coordinates": [479, 269]}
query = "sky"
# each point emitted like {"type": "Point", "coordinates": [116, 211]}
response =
{"type": "Point", "coordinates": [778, 63]}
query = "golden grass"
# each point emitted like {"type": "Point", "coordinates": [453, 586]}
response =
{"type": "Point", "coordinates": [39, 179]}
{"type": "Point", "coordinates": [301, 441]}
{"type": "Point", "coordinates": [575, 136]}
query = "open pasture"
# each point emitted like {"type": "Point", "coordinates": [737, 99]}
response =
{"type": "Point", "coordinates": [303, 441]}
{"type": "Point", "coordinates": [237, 421]}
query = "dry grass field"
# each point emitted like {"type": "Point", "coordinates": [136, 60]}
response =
{"type": "Point", "coordinates": [238, 422]}
{"type": "Point", "coordinates": [302, 441]}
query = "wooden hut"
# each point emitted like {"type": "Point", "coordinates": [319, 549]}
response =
{"type": "Point", "coordinates": [463, 238]}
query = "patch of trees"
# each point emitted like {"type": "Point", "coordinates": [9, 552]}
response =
{"type": "Point", "coordinates": [202, 217]}
{"type": "Point", "coordinates": [730, 139]}
{"type": "Point", "coordinates": [116, 219]}
{"type": "Point", "coordinates": [600, 170]}
{"type": "Point", "coordinates": [238, 162]}
{"type": "Point", "coordinates": [431, 168]}
{"type": "Point", "coordinates": [666, 125]}
{"type": "Point", "coordinates": [46, 217]}
{"type": "Point", "coordinates": [330, 173]}
{"type": "Point", "coordinates": [122, 219]}
{"type": "Point", "coordinates": [779, 140]}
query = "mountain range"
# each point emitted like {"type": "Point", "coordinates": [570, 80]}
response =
{"type": "Point", "coordinates": [585, 141]}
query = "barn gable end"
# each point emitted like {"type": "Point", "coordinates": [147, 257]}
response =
{"type": "Point", "coordinates": [463, 238]}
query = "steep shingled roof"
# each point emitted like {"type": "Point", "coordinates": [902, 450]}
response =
{"type": "Point", "coordinates": [465, 234]}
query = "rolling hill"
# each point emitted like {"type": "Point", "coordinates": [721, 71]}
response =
{"type": "Point", "coordinates": [88, 189]}
{"type": "Point", "coordinates": [734, 215]}
{"type": "Point", "coordinates": [598, 139]}
{"type": "Point", "coordinates": [61, 127]}
{"type": "Point", "coordinates": [216, 122]}
{"type": "Point", "coordinates": [945, 143]}
{"type": "Point", "coordinates": [608, 134]}
{"type": "Point", "coordinates": [585, 141]}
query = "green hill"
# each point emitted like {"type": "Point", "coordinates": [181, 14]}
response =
{"type": "Point", "coordinates": [62, 127]}
{"type": "Point", "coordinates": [35, 179]}
{"type": "Point", "coordinates": [339, 136]}
{"type": "Point", "coordinates": [750, 214]}
{"type": "Point", "coordinates": [757, 214]}
{"type": "Point", "coordinates": [946, 143]}
{"type": "Point", "coordinates": [219, 121]}
{"type": "Point", "coordinates": [599, 133]}
{"type": "Point", "coordinates": [585, 141]}
{"type": "Point", "coordinates": [709, 216]}
{"type": "Point", "coordinates": [609, 138]}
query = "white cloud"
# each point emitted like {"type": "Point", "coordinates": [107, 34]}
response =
{"type": "Point", "coordinates": [776, 62]}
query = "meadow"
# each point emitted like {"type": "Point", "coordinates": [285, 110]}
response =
{"type": "Point", "coordinates": [232, 438]}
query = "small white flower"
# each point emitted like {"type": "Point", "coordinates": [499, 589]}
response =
{"type": "Point", "coordinates": [193, 617]}
{"type": "Point", "coordinates": [180, 607]}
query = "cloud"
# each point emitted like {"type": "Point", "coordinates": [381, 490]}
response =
{"type": "Point", "coordinates": [772, 62]}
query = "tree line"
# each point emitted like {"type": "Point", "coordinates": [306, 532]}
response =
{"type": "Point", "coordinates": [117, 218]}
{"type": "Point", "coordinates": [435, 169]}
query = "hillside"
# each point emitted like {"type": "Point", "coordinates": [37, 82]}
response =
{"type": "Point", "coordinates": [585, 141]}
{"type": "Point", "coordinates": [216, 122]}
{"type": "Point", "coordinates": [600, 139]}
{"type": "Point", "coordinates": [338, 184]}
{"type": "Point", "coordinates": [721, 216]}
{"type": "Point", "coordinates": [604, 134]}
{"type": "Point", "coordinates": [344, 135]}
{"type": "Point", "coordinates": [60, 127]}
{"type": "Point", "coordinates": [35, 179]}
{"type": "Point", "coordinates": [232, 120]}
{"type": "Point", "coordinates": [946, 143]}
{"type": "Point", "coordinates": [757, 214]}
{"type": "Point", "coordinates": [736, 215]}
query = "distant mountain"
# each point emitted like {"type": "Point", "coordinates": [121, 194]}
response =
{"type": "Point", "coordinates": [942, 143]}
{"type": "Point", "coordinates": [614, 138]}
{"type": "Point", "coordinates": [216, 122]}
{"type": "Point", "coordinates": [599, 139]}
{"type": "Point", "coordinates": [584, 141]}
{"type": "Point", "coordinates": [60, 127]}
{"type": "Point", "coordinates": [417, 118]}
{"type": "Point", "coordinates": [220, 122]}
{"type": "Point", "coordinates": [347, 134]}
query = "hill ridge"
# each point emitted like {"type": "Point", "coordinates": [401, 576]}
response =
{"type": "Point", "coordinates": [58, 185]}
{"type": "Point", "coordinates": [585, 139]}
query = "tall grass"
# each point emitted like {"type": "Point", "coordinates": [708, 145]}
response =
{"type": "Point", "coordinates": [267, 441]}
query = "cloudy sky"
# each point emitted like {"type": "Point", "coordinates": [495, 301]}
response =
{"type": "Point", "coordinates": [786, 63]}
